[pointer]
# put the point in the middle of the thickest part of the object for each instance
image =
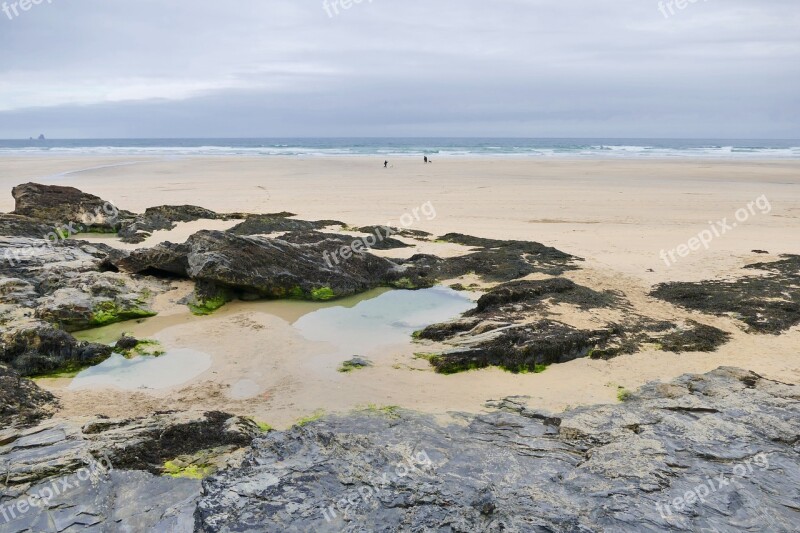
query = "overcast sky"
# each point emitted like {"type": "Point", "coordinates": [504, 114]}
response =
{"type": "Point", "coordinates": [533, 68]}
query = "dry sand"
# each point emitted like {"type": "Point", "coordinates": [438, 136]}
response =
{"type": "Point", "coordinates": [617, 214]}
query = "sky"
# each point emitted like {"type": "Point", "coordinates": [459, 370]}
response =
{"type": "Point", "coordinates": [383, 68]}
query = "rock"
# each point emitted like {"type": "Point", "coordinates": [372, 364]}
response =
{"type": "Point", "coordinates": [767, 303]}
{"type": "Point", "coordinates": [21, 226]}
{"type": "Point", "coordinates": [50, 289]}
{"type": "Point", "coordinates": [58, 448]}
{"type": "Point", "coordinates": [113, 501]}
{"type": "Point", "coordinates": [278, 223]}
{"type": "Point", "coordinates": [602, 468]}
{"type": "Point", "coordinates": [22, 402]}
{"type": "Point", "coordinates": [66, 283]}
{"type": "Point", "coordinates": [511, 328]}
{"type": "Point", "coordinates": [113, 471]}
{"type": "Point", "coordinates": [356, 363]}
{"type": "Point", "coordinates": [163, 217]}
{"type": "Point", "coordinates": [532, 294]}
{"type": "Point", "coordinates": [126, 343]}
{"type": "Point", "coordinates": [40, 348]}
{"type": "Point", "coordinates": [64, 205]}
{"type": "Point", "coordinates": [522, 348]}
{"type": "Point", "coordinates": [262, 267]}
{"type": "Point", "coordinates": [695, 338]}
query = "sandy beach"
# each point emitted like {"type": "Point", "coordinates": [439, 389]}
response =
{"type": "Point", "coordinates": [619, 215]}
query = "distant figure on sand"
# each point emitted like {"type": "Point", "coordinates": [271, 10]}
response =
{"type": "Point", "coordinates": [426, 158]}
{"type": "Point", "coordinates": [385, 164]}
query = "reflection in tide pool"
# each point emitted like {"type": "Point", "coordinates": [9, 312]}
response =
{"type": "Point", "coordinates": [171, 369]}
{"type": "Point", "coordinates": [388, 319]}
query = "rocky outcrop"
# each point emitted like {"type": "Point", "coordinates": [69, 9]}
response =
{"type": "Point", "coordinates": [279, 223]}
{"type": "Point", "coordinates": [38, 348]}
{"type": "Point", "coordinates": [63, 285]}
{"type": "Point", "coordinates": [48, 289]}
{"type": "Point", "coordinates": [21, 226]}
{"type": "Point", "coordinates": [64, 205]}
{"type": "Point", "coordinates": [768, 303]}
{"type": "Point", "coordinates": [664, 460]}
{"type": "Point", "coordinates": [260, 267]}
{"type": "Point", "coordinates": [115, 475]}
{"type": "Point", "coordinates": [161, 218]}
{"type": "Point", "coordinates": [511, 328]}
{"type": "Point", "coordinates": [22, 402]}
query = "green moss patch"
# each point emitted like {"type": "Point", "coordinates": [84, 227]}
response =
{"type": "Point", "coordinates": [110, 313]}
{"type": "Point", "coordinates": [317, 415]}
{"type": "Point", "coordinates": [322, 294]}
{"type": "Point", "coordinates": [179, 469]}
{"type": "Point", "coordinates": [207, 306]}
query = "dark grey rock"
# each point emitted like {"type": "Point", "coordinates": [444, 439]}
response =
{"type": "Point", "coordinates": [592, 469]}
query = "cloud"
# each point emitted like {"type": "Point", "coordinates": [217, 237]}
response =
{"type": "Point", "coordinates": [93, 68]}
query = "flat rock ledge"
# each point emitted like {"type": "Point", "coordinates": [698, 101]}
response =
{"type": "Point", "coordinates": [716, 453]}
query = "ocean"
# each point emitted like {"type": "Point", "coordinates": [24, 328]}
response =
{"type": "Point", "coordinates": [398, 147]}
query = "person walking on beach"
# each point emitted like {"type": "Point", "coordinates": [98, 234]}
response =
{"type": "Point", "coordinates": [426, 159]}
{"type": "Point", "coordinates": [385, 164]}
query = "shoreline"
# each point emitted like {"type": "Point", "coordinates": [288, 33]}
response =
{"type": "Point", "coordinates": [616, 214]}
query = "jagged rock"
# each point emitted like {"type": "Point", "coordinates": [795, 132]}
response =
{"type": "Point", "coordinates": [694, 338]}
{"type": "Point", "coordinates": [94, 461]}
{"type": "Point", "coordinates": [278, 223]}
{"type": "Point", "coordinates": [531, 294]}
{"type": "Point", "coordinates": [355, 363]}
{"type": "Point", "coordinates": [263, 267]}
{"type": "Point", "coordinates": [603, 468]}
{"type": "Point", "coordinates": [21, 226]}
{"type": "Point", "coordinates": [22, 402]}
{"type": "Point", "coordinates": [63, 205]}
{"type": "Point", "coordinates": [768, 303]}
{"type": "Point", "coordinates": [39, 348]}
{"type": "Point", "coordinates": [56, 448]}
{"type": "Point", "coordinates": [493, 261]}
{"type": "Point", "coordinates": [126, 343]}
{"type": "Point", "coordinates": [510, 328]}
{"type": "Point", "coordinates": [163, 217]}
{"type": "Point", "coordinates": [522, 348]}
{"type": "Point", "coordinates": [64, 284]}
{"type": "Point", "coordinates": [61, 285]}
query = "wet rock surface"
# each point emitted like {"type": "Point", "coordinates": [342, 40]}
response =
{"type": "Point", "coordinates": [768, 303]}
{"type": "Point", "coordinates": [39, 348]}
{"type": "Point", "coordinates": [63, 205]}
{"type": "Point", "coordinates": [47, 290]}
{"type": "Point", "coordinates": [22, 226]}
{"type": "Point", "coordinates": [604, 468]}
{"type": "Point", "coordinates": [259, 267]}
{"type": "Point", "coordinates": [164, 217]}
{"type": "Point", "coordinates": [493, 260]}
{"type": "Point", "coordinates": [22, 402]}
{"type": "Point", "coordinates": [512, 328]}
{"type": "Point", "coordinates": [111, 471]}
{"type": "Point", "coordinates": [278, 223]}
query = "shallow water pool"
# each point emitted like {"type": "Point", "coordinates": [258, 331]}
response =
{"type": "Point", "coordinates": [171, 369]}
{"type": "Point", "coordinates": [387, 319]}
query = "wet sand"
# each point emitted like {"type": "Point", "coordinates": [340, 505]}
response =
{"type": "Point", "coordinates": [618, 215]}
